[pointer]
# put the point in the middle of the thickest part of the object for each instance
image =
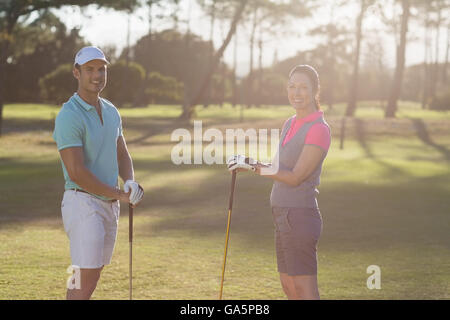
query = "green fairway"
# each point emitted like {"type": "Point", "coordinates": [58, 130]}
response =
{"type": "Point", "coordinates": [384, 200]}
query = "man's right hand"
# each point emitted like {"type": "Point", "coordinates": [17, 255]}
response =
{"type": "Point", "coordinates": [124, 196]}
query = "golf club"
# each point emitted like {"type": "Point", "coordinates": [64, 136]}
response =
{"type": "Point", "coordinates": [230, 207]}
{"type": "Point", "coordinates": [130, 240]}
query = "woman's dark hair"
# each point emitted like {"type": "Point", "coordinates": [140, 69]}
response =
{"type": "Point", "coordinates": [313, 76]}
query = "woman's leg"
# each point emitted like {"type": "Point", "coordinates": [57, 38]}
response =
{"type": "Point", "coordinates": [306, 287]}
{"type": "Point", "coordinates": [288, 286]}
{"type": "Point", "coordinates": [300, 287]}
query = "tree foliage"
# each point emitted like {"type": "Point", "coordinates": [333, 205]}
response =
{"type": "Point", "coordinates": [57, 86]}
{"type": "Point", "coordinates": [38, 48]}
{"type": "Point", "coordinates": [163, 89]}
{"type": "Point", "coordinates": [124, 82]}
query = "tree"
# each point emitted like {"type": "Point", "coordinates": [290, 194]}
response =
{"type": "Point", "coordinates": [12, 10]}
{"type": "Point", "coordinates": [433, 14]}
{"type": "Point", "coordinates": [210, 9]}
{"type": "Point", "coordinates": [189, 107]}
{"type": "Point", "coordinates": [353, 91]}
{"type": "Point", "coordinates": [181, 56]}
{"type": "Point", "coordinates": [123, 92]}
{"type": "Point", "coordinates": [40, 47]}
{"type": "Point", "coordinates": [396, 86]}
{"type": "Point", "coordinates": [426, 45]}
{"type": "Point", "coordinates": [163, 89]}
{"type": "Point", "coordinates": [437, 6]}
{"type": "Point", "coordinates": [264, 17]}
{"type": "Point", "coordinates": [335, 36]}
{"type": "Point", "coordinates": [447, 55]}
{"type": "Point", "coordinates": [58, 85]}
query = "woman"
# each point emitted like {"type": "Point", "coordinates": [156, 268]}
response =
{"type": "Point", "coordinates": [304, 144]}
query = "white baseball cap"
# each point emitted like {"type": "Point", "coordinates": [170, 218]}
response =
{"type": "Point", "coordinates": [87, 54]}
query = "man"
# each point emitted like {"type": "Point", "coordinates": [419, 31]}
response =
{"type": "Point", "coordinates": [88, 134]}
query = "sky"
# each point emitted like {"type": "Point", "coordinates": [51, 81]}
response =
{"type": "Point", "coordinates": [103, 27]}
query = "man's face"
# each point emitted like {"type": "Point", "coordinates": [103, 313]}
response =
{"type": "Point", "coordinates": [91, 76]}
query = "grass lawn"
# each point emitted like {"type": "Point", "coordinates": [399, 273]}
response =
{"type": "Point", "coordinates": [384, 200]}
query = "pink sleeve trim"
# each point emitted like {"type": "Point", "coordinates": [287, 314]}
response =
{"type": "Point", "coordinates": [319, 135]}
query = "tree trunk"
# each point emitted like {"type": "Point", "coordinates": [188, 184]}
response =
{"type": "Point", "coordinates": [2, 85]}
{"type": "Point", "coordinates": [234, 84]}
{"type": "Point", "coordinates": [394, 95]}
{"type": "Point", "coordinates": [351, 107]}
{"type": "Point", "coordinates": [186, 92]}
{"type": "Point", "coordinates": [211, 51]}
{"type": "Point", "coordinates": [425, 61]}
{"type": "Point", "coordinates": [128, 39]}
{"type": "Point", "coordinates": [223, 73]}
{"type": "Point", "coordinates": [189, 108]}
{"type": "Point", "coordinates": [331, 56]}
{"type": "Point", "coordinates": [260, 70]}
{"type": "Point", "coordinates": [444, 71]}
{"type": "Point", "coordinates": [435, 79]}
{"type": "Point", "coordinates": [4, 49]}
{"type": "Point", "coordinates": [250, 74]}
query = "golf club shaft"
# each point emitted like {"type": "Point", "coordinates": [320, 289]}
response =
{"type": "Point", "coordinates": [130, 240]}
{"type": "Point", "coordinates": [230, 208]}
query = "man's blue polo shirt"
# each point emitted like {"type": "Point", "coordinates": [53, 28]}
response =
{"type": "Point", "coordinates": [78, 125]}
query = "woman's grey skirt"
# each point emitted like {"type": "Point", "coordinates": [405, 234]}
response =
{"type": "Point", "coordinates": [297, 232]}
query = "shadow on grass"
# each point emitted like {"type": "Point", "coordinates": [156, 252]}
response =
{"type": "Point", "coordinates": [362, 138]}
{"type": "Point", "coordinates": [422, 133]}
{"type": "Point", "coordinates": [355, 214]}
{"type": "Point", "coordinates": [29, 190]}
{"type": "Point", "coordinates": [16, 125]}
{"type": "Point", "coordinates": [146, 128]}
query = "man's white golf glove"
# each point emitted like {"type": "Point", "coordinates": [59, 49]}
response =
{"type": "Point", "coordinates": [137, 192]}
{"type": "Point", "coordinates": [241, 162]}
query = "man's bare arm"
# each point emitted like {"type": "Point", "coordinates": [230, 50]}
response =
{"type": "Point", "coordinates": [73, 159]}
{"type": "Point", "coordinates": [126, 170]}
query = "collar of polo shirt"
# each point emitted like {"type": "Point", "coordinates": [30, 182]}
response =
{"type": "Point", "coordinates": [84, 104]}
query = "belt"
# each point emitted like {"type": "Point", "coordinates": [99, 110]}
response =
{"type": "Point", "coordinates": [79, 190]}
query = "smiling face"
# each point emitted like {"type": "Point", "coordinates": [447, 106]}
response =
{"type": "Point", "coordinates": [91, 76]}
{"type": "Point", "coordinates": [300, 92]}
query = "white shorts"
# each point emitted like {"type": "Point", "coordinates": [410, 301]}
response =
{"type": "Point", "coordinates": [91, 225]}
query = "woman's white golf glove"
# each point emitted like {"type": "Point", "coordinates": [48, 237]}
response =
{"type": "Point", "coordinates": [137, 192]}
{"type": "Point", "coordinates": [241, 162]}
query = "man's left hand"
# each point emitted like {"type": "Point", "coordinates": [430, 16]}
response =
{"type": "Point", "coordinates": [137, 192]}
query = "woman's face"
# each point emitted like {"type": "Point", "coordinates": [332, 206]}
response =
{"type": "Point", "coordinates": [300, 92]}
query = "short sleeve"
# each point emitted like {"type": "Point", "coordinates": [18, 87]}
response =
{"type": "Point", "coordinates": [319, 135]}
{"type": "Point", "coordinates": [68, 130]}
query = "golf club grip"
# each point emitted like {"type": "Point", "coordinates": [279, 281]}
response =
{"type": "Point", "coordinates": [130, 223]}
{"type": "Point", "coordinates": [233, 184]}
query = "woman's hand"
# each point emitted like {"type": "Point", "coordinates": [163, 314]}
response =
{"type": "Point", "coordinates": [241, 163]}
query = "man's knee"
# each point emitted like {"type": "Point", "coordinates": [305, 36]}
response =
{"type": "Point", "coordinates": [91, 275]}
